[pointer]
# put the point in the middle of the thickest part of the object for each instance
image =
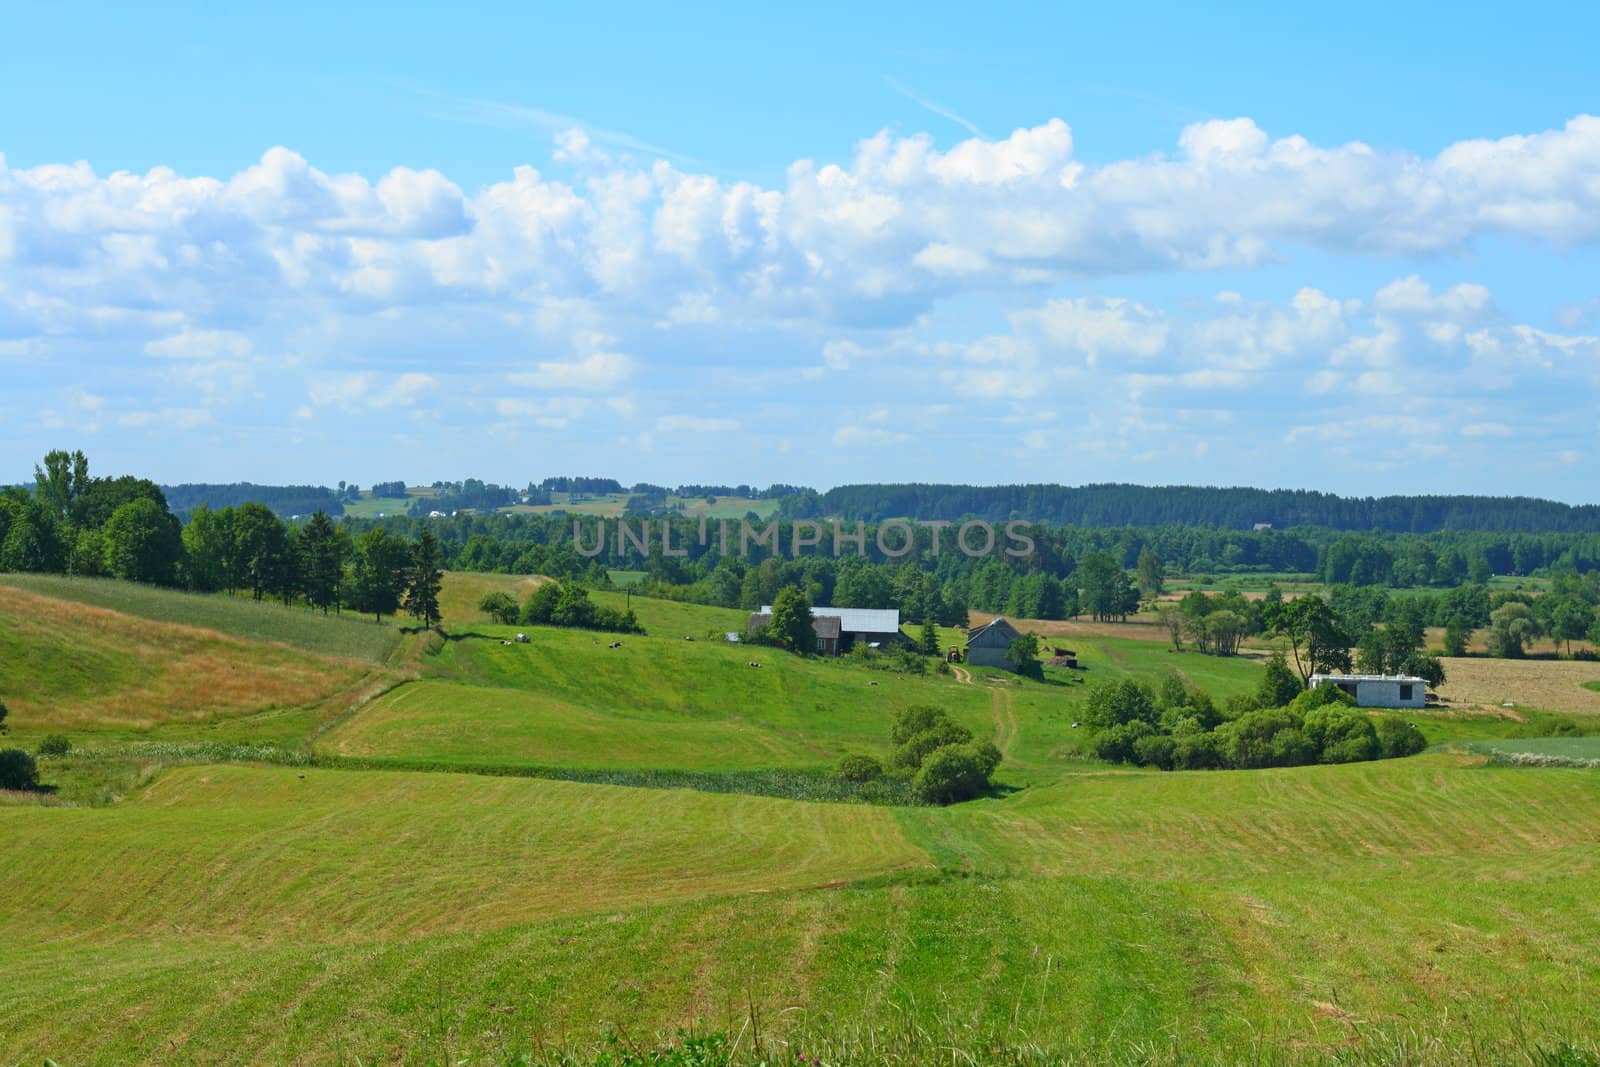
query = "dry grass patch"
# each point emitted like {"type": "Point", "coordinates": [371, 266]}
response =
{"type": "Point", "coordinates": [70, 666]}
{"type": "Point", "coordinates": [1552, 685]}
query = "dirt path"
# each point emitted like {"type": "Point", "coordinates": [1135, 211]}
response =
{"type": "Point", "coordinates": [1005, 721]}
{"type": "Point", "coordinates": [963, 675]}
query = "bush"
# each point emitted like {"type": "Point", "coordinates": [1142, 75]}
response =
{"type": "Point", "coordinates": [1119, 703]}
{"type": "Point", "coordinates": [1156, 750]}
{"type": "Point", "coordinates": [18, 770]}
{"type": "Point", "coordinates": [955, 772]}
{"type": "Point", "coordinates": [914, 720]}
{"type": "Point", "coordinates": [1397, 738]}
{"type": "Point", "coordinates": [918, 747]}
{"type": "Point", "coordinates": [55, 745]}
{"type": "Point", "coordinates": [500, 607]}
{"type": "Point", "coordinates": [1116, 744]}
{"type": "Point", "coordinates": [860, 769]}
{"type": "Point", "coordinates": [1342, 735]}
{"type": "Point", "coordinates": [3, 713]}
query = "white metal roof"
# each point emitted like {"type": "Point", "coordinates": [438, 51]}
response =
{"type": "Point", "coordinates": [1368, 678]}
{"type": "Point", "coordinates": [858, 620]}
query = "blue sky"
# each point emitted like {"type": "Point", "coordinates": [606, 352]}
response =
{"type": "Point", "coordinates": [1353, 250]}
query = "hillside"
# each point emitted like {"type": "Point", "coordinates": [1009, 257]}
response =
{"type": "Point", "coordinates": [72, 668]}
{"type": "Point", "coordinates": [1081, 913]}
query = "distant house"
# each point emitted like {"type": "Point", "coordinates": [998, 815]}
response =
{"type": "Point", "coordinates": [840, 629]}
{"type": "Point", "coordinates": [986, 646]}
{"type": "Point", "coordinates": [1378, 690]}
{"type": "Point", "coordinates": [1258, 527]}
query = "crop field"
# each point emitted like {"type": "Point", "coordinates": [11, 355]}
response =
{"type": "Point", "coordinates": [1550, 685]}
{"type": "Point", "coordinates": [1433, 910]}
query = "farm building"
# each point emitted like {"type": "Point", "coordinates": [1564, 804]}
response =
{"type": "Point", "coordinates": [986, 646]}
{"type": "Point", "coordinates": [839, 629]}
{"type": "Point", "coordinates": [1378, 690]}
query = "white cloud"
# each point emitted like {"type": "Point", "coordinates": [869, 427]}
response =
{"type": "Point", "coordinates": [200, 344]}
{"type": "Point", "coordinates": [593, 373]}
{"type": "Point", "coordinates": [694, 424]}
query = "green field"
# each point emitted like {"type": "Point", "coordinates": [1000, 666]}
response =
{"type": "Point", "coordinates": [1432, 910]}
{"type": "Point", "coordinates": [348, 636]}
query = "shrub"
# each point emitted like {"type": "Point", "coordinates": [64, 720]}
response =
{"type": "Point", "coordinates": [55, 745]}
{"type": "Point", "coordinates": [919, 746]}
{"type": "Point", "coordinates": [954, 773]}
{"type": "Point", "coordinates": [1116, 744]}
{"type": "Point", "coordinates": [18, 769]}
{"type": "Point", "coordinates": [1251, 740]}
{"type": "Point", "coordinates": [860, 769]}
{"type": "Point", "coordinates": [914, 720]}
{"type": "Point", "coordinates": [1197, 752]}
{"type": "Point", "coordinates": [1397, 738]}
{"type": "Point", "coordinates": [1342, 735]}
{"type": "Point", "coordinates": [3, 713]}
{"type": "Point", "coordinates": [1119, 703]}
{"type": "Point", "coordinates": [500, 607]}
{"type": "Point", "coordinates": [1279, 685]}
{"type": "Point", "coordinates": [1156, 750]}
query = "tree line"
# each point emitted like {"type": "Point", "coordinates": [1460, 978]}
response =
{"type": "Point", "coordinates": [1238, 508]}
{"type": "Point", "coordinates": [74, 523]}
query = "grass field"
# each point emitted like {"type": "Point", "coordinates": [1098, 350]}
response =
{"type": "Point", "coordinates": [74, 669]}
{"type": "Point", "coordinates": [1126, 918]}
{"type": "Point", "coordinates": [1551, 685]}
{"type": "Point", "coordinates": [1429, 911]}
{"type": "Point", "coordinates": [345, 636]}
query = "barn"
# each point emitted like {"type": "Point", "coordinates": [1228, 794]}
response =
{"type": "Point", "coordinates": [1378, 690]}
{"type": "Point", "coordinates": [986, 646]}
{"type": "Point", "coordinates": [839, 629]}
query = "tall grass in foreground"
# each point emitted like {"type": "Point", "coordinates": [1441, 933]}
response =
{"type": "Point", "coordinates": [907, 1043]}
{"type": "Point", "coordinates": [812, 785]}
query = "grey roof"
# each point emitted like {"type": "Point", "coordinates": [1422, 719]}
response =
{"type": "Point", "coordinates": [858, 620]}
{"type": "Point", "coordinates": [821, 625]}
{"type": "Point", "coordinates": [999, 627]}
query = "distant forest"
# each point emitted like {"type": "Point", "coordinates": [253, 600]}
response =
{"type": "Point", "coordinates": [1230, 508]}
{"type": "Point", "coordinates": [285, 500]}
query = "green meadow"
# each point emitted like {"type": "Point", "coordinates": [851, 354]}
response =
{"type": "Point", "coordinates": [321, 900]}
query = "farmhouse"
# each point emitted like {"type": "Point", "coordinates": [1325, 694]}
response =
{"type": "Point", "coordinates": [1378, 690]}
{"type": "Point", "coordinates": [986, 646]}
{"type": "Point", "coordinates": [839, 629]}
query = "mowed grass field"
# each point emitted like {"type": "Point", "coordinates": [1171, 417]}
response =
{"type": "Point", "coordinates": [1420, 911]}
{"type": "Point", "coordinates": [1432, 910]}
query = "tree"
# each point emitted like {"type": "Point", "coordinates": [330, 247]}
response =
{"type": "Point", "coordinates": [791, 621]}
{"type": "Point", "coordinates": [1152, 573]}
{"type": "Point", "coordinates": [928, 639]}
{"type": "Point", "coordinates": [142, 543]}
{"type": "Point", "coordinates": [500, 607]}
{"type": "Point", "coordinates": [260, 549]}
{"type": "Point", "coordinates": [1171, 617]}
{"type": "Point", "coordinates": [1119, 703]}
{"type": "Point", "coordinates": [1319, 644]}
{"type": "Point", "coordinates": [59, 483]}
{"type": "Point", "coordinates": [1278, 684]}
{"type": "Point", "coordinates": [423, 580]}
{"type": "Point", "coordinates": [18, 770]}
{"type": "Point", "coordinates": [1456, 635]}
{"type": "Point", "coordinates": [377, 573]}
{"type": "Point", "coordinates": [1108, 593]}
{"type": "Point", "coordinates": [208, 549]}
{"type": "Point", "coordinates": [1512, 627]}
{"type": "Point", "coordinates": [321, 550]}
{"type": "Point", "coordinates": [1022, 656]}
{"type": "Point", "coordinates": [1570, 620]}
{"type": "Point", "coordinates": [1421, 665]}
